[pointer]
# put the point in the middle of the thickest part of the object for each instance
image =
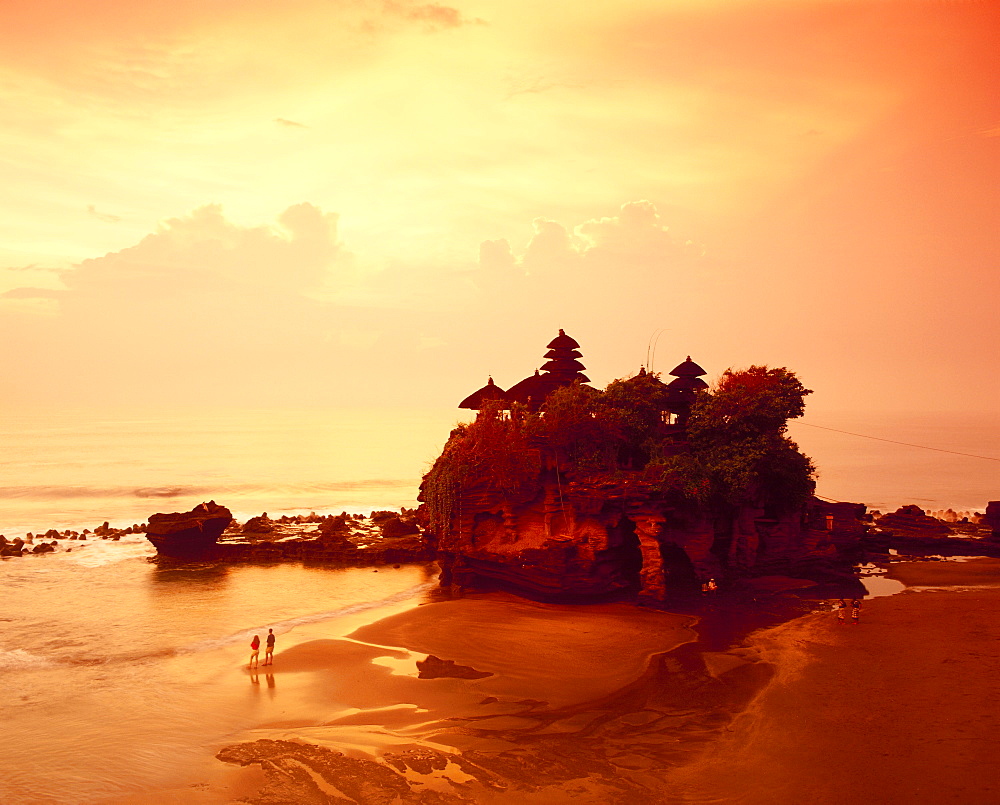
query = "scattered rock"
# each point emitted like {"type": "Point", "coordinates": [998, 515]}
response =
{"type": "Point", "coordinates": [259, 525]}
{"type": "Point", "coordinates": [398, 527]}
{"type": "Point", "coordinates": [435, 668]}
{"type": "Point", "coordinates": [992, 517]}
{"type": "Point", "coordinates": [912, 518]}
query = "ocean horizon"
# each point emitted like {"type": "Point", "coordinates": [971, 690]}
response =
{"type": "Point", "coordinates": [79, 468]}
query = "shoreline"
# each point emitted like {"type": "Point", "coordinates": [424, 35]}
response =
{"type": "Point", "coordinates": [896, 709]}
{"type": "Point", "coordinates": [596, 704]}
{"type": "Point", "coordinates": [797, 709]}
{"type": "Point", "coordinates": [591, 715]}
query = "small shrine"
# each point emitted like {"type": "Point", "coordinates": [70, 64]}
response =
{"type": "Point", "coordinates": [682, 389]}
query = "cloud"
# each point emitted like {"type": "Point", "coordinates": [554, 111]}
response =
{"type": "Point", "coordinates": [624, 274]}
{"type": "Point", "coordinates": [635, 233]}
{"type": "Point", "coordinates": [434, 15]}
{"type": "Point", "coordinates": [630, 240]}
{"type": "Point", "coordinates": [32, 293]}
{"type": "Point", "coordinates": [290, 123]}
{"type": "Point", "coordinates": [203, 253]}
{"type": "Point", "coordinates": [496, 256]}
{"type": "Point", "coordinates": [34, 267]}
{"type": "Point", "coordinates": [550, 247]}
{"type": "Point", "coordinates": [108, 218]}
{"type": "Point", "coordinates": [190, 311]}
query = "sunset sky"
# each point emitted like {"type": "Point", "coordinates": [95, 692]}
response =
{"type": "Point", "coordinates": [340, 202]}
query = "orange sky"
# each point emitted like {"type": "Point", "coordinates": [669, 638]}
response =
{"type": "Point", "coordinates": [384, 201]}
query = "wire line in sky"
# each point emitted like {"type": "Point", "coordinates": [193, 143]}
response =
{"type": "Point", "coordinates": [907, 444]}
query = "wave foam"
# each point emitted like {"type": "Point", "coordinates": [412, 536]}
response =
{"type": "Point", "coordinates": [284, 626]}
{"type": "Point", "coordinates": [18, 659]}
{"type": "Point", "coordinates": [98, 552]}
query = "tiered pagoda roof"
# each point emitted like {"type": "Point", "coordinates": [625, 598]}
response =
{"type": "Point", "coordinates": [686, 383]}
{"type": "Point", "coordinates": [562, 368]}
{"type": "Point", "coordinates": [563, 365]}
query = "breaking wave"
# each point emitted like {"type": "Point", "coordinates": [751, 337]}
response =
{"type": "Point", "coordinates": [18, 659]}
{"type": "Point", "coordinates": [169, 491]}
{"type": "Point", "coordinates": [282, 627]}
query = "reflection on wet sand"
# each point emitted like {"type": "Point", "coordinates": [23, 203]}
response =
{"type": "Point", "coordinates": [581, 704]}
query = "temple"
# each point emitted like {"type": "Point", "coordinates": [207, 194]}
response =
{"type": "Point", "coordinates": [606, 495]}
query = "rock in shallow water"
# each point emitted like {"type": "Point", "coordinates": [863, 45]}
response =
{"type": "Point", "coordinates": [186, 534]}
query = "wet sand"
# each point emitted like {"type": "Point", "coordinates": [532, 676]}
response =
{"type": "Point", "coordinates": [574, 704]}
{"type": "Point", "coordinates": [615, 705]}
{"type": "Point", "coordinates": [900, 708]}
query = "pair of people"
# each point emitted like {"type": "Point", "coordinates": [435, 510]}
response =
{"type": "Point", "coordinates": [255, 650]}
{"type": "Point", "coordinates": [841, 608]}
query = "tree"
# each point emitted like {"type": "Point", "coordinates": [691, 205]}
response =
{"type": "Point", "coordinates": [739, 451]}
{"type": "Point", "coordinates": [747, 402]}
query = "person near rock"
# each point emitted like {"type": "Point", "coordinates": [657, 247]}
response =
{"type": "Point", "coordinates": [254, 651]}
{"type": "Point", "coordinates": [269, 652]}
{"type": "Point", "coordinates": [855, 611]}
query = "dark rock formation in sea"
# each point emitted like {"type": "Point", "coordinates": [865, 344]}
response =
{"type": "Point", "coordinates": [580, 539]}
{"type": "Point", "coordinates": [397, 526]}
{"type": "Point", "coordinates": [188, 534]}
{"type": "Point", "coordinates": [259, 525]}
{"type": "Point", "coordinates": [912, 519]}
{"type": "Point", "coordinates": [636, 489]}
{"type": "Point", "coordinates": [992, 516]}
{"type": "Point", "coordinates": [12, 547]}
{"type": "Point", "coordinates": [341, 540]}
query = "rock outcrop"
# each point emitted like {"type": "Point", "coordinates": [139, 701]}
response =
{"type": "Point", "coordinates": [589, 539]}
{"type": "Point", "coordinates": [188, 534]}
{"type": "Point", "coordinates": [436, 668]}
{"type": "Point", "coordinates": [992, 516]}
{"type": "Point", "coordinates": [913, 520]}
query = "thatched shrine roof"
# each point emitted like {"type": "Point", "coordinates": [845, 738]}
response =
{"type": "Point", "coordinates": [688, 369]}
{"type": "Point", "coordinates": [491, 391]}
{"type": "Point", "coordinates": [534, 387]}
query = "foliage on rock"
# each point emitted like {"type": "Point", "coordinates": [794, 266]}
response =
{"type": "Point", "coordinates": [739, 453]}
{"type": "Point", "coordinates": [734, 450]}
{"type": "Point", "coordinates": [491, 452]}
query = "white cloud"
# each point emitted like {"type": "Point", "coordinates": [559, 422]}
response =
{"type": "Point", "coordinates": [634, 239]}
{"type": "Point", "coordinates": [204, 253]}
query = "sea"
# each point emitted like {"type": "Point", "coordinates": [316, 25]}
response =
{"type": "Point", "coordinates": [121, 676]}
{"type": "Point", "coordinates": [77, 469]}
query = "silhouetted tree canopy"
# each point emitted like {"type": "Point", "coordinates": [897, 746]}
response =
{"type": "Point", "coordinates": [739, 453]}
{"type": "Point", "coordinates": [734, 451]}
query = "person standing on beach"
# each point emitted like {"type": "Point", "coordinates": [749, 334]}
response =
{"type": "Point", "coordinates": [269, 652]}
{"type": "Point", "coordinates": [841, 607]}
{"type": "Point", "coordinates": [855, 611]}
{"type": "Point", "coordinates": [254, 651]}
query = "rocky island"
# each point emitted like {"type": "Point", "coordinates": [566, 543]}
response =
{"type": "Point", "coordinates": [567, 492]}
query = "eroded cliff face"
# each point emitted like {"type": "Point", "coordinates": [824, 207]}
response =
{"type": "Point", "coordinates": [591, 537]}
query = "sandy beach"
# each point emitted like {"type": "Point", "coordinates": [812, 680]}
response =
{"type": "Point", "coordinates": [901, 708]}
{"type": "Point", "coordinates": [614, 704]}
